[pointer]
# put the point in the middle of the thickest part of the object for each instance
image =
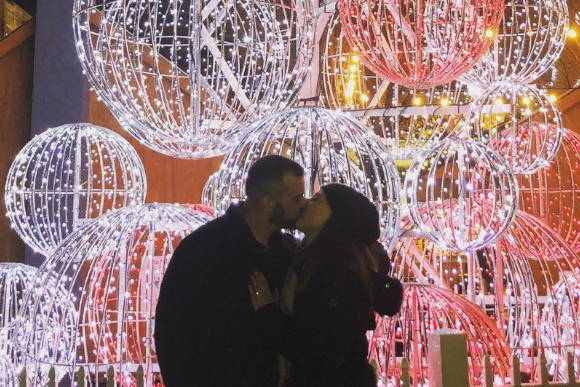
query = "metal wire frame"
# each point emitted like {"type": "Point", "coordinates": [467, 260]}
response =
{"type": "Point", "coordinates": [515, 279]}
{"type": "Point", "coordinates": [420, 43]}
{"type": "Point", "coordinates": [405, 133]}
{"type": "Point", "coordinates": [112, 270]}
{"type": "Point", "coordinates": [331, 146]}
{"type": "Point", "coordinates": [527, 135]}
{"type": "Point", "coordinates": [490, 278]}
{"type": "Point", "coordinates": [530, 40]}
{"type": "Point", "coordinates": [461, 194]}
{"type": "Point", "coordinates": [426, 308]}
{"type": "Point", "coordinates": [552, 193]}
{"type": "Point", "coordinates": [67, 175]}
{"type": "Point", "coordinates": [179, 75]}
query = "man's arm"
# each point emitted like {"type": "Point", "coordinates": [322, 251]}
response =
{"type": "Point", "coordinates": [175, 322]}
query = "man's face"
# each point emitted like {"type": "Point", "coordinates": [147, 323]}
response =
{"type": "Point", "coordinates": [289, 202]}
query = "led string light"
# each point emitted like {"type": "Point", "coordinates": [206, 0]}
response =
{"type": "Point", "coordinates": [331, 146]}
{"type": "Point", "coordinates": [530, 40]}
{"type": "Point", "coordinates": [112, 269]}
{"type": "Point", "coordinates": [67, 175]}
{"type": "Point", "coordinates": [420, 44]}
{"type": "Point", "coordinates": [180, 75]}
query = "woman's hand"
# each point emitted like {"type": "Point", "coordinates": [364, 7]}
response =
{"type": "Point", "coordinates": [259, 291]}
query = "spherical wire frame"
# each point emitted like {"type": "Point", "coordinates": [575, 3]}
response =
{"type": "Point", "coordinates": [68, 175]}
{"type": "Point", "coordinates": [111, 269]}
{"type": "Point", "coordinates": [180, 89]}
{"type": "Point", "coordinates": [531, 38]}
{"type": "Point", "coordinates": [330, 145]}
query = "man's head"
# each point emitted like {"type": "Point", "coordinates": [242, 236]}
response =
{"type": "Point", "coordinates": [275, 185]}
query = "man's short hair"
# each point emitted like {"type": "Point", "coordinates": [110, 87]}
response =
{"type": "Point", "coordinates": [265, 175]}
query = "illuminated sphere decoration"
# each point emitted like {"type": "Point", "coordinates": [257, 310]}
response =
{"type": "Point", "coordinates": [15, 281]}
{"type": "Point", "coordinates": [520, 123]}
{"type": "Point", "coordinates": [461, 194]}
{"type": "Point", "coordinates": [427, 308]}
{"type": "Point", "coordinates": [330, 145]}
{"type": "Point", "coordinates": [560, 326]}
{"type": "Point", "coordinates": [67, 175]}
{"type": "Point", "coordinates": [423, 119]}
{"type": "Point", "coordinates": [492, 277]}
{"type": "Point", "coordinates": [420, 43]}
{"type": "Point", "coordinates": [112, 268]}
{"type": "Point", "coordinates": [209, 196]}
{"type": "Point", "coordinates": [530, 40]}
{"type": "Point", "coordinates": [178, 75]}
{"type": "Point", "coordinates": [8, 377]}
{"type": "Point", "coordinates": [551, 194]}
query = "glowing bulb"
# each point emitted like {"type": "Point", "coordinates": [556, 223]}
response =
{"type": "Point", "coordinates": [355, 59]}
{"type": "Point", "coordinates": [552, 98]}
{"type": "Point", "coordinates": [353, 68]}
{"type": "Point", "coordinates": [526, 100]}
{"type": "Point", "coordinates": [572, 33]}
{"type": "Point", "coordinates": [490, 33]}
{"type": "Point", "coordinates": [445, 101]}
{"type": "Point", "coordinates": [417, 100]}
{"type": "Point", "coordinates": [364, 98]}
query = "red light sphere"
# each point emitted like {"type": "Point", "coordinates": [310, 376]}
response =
{"type": "Point", "coordinates": [420, 43]}
{"type": "Point", "coordinates": [551, 194]}
{"type": "Point", "coordinates": [428, 308]}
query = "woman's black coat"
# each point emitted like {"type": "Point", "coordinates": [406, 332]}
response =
{"type": "Point", "coordinates": [325, 338]}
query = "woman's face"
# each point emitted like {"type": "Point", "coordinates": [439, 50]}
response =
{"type": "Point", "coordinates": [315, 214]}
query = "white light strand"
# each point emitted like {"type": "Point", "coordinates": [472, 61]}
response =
{"type": "Point", "coordinates": [111, 268]}
{"type": "Point", "coordinates": [331, 146]}
{"type": "Point", "coordinates": [67, 175]}
{"type": "Point", "coordinates": [179, 75]}
{"type": "Point", "coordinates": [530, 40]}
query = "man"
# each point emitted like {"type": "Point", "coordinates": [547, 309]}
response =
{"type": "Point", "coordinates": [204, 330]}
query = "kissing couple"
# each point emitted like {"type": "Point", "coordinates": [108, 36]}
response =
{"type": "Point", "coordinates": [243, 303]}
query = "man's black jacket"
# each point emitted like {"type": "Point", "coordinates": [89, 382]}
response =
{"type": "Point", "coordinates": [205, 327]}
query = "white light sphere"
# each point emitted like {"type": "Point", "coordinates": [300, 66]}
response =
{"type": "Point", "coordinates": [520, 123]}
{"type": "Point", "coordinates": [330, 145]}
{"type": "Point", "coordinates": [15, 280]}
{"type": "Point", "coordinates": [560, 326]}
{"type": "Point", "coordinates": [461, 194]}
{"type": "Point", "coordinates": [8, 375]}
{"type": "Point", "coordinates": [531, 37]}
{"type": "Point", "coordinates": [112, 268]}
{"type": "Point", "coordinates": [178, 74]}
{"type": "Point", "coordinates": [67, 175]}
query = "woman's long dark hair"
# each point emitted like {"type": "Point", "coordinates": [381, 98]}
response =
{"type": "Point", "coordinates": [334, 249]}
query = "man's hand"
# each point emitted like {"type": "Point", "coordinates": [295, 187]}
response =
{"type": "Point", "coordinates": [259, 291]}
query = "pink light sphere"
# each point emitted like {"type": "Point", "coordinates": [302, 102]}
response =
{"type": "Point", "coordinates": [551, 194]}
{"type": "Point", "coordinates": [496, 282]}
{"type": "Point", "coordinates": [420, 43]}
{"type": "Point", "coordinates": [427, 308]}
{"type": "Point", "coordinates": [530, 147]}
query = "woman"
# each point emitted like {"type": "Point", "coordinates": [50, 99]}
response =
{"type": "Point", "coordinates": [336, 288]}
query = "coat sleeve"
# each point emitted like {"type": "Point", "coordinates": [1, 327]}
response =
{"type": "Point", "coordinates": [175, 325]}
{"type": "Point", "coordinates": [387, 294]}
{"type": "Point", "coordinates": [331, 318]}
